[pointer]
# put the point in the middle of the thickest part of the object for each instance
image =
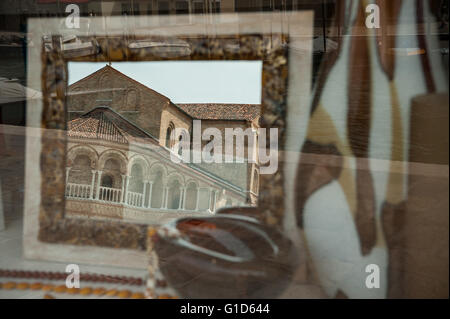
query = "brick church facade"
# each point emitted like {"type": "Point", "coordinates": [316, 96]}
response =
{"type": "Point", "coordinates": [120, 138]}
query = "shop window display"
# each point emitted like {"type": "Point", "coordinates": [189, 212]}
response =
{"type": "Point", "coordinates": [357, 206]}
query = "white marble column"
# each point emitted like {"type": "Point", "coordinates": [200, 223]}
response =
{"type": "Point", "coordinates": [213, 192]}
{"type": "Point", "coordinates": [166, 195]}
{"type": "Point", "coordinates": [143, 194]}
{"type": "Point", "coordinates": [209, 202]}
{"type": "Point", "coordinates": [149, 203]}
{"type": "Point", "coordinates": [122, 193]}
{"type": "Point", "coordinates": [91, 193]}
{"type": "Point", "coordinates": [67, 181]}
{"type": "Point", "coordinates": [99, 177]}
{"type": "Point", "coordinates": [184, 198]}
{"type": "Point", "coordinates": [198, 198]}
{"type": "Point", "coordinates": [181, 201]}
{"type": "Point", "coordinates": [127, 184]}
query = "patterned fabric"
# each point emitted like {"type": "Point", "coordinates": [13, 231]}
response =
{"type": "Point", "coordinates": [352, 176]}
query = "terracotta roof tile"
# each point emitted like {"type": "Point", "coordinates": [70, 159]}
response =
{"type": "Point", "coordinates": [217, 111]}
{"type": "Point", "coordinates": [105, 124]}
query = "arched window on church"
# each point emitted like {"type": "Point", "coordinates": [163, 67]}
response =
{"type": "Point", "coordinates": [107, 181]}
{"type": "Point", "coordinates": [203, 199]}
{"type": "Point", "coordinates": [169, 135]}
{"type": "Point", "coordinates": [80, 172]}
{"type": "Point", "coordinates": [136, 182]}
{"type": "Point", "coordinates": [157, 189]}
{"type": "Point", "coordinates": [180, 149]}
{"type": "Point", "coordinates": [111, 181]}
{"type": "Point", "coordinates": [174, 195]}
{"type": "Point", "coordinates": [136, 186]}
{"type": "Point", "coordinates": [112, 168]}
{"type": "Point", "coordinates": [191, 196]}
{"type": "Point", "coordinates": [182, 141]}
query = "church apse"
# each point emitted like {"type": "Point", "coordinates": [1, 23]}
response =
{"type": "Point", "coordinates": [120, 140]}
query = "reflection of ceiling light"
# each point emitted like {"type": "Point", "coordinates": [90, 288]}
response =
{"type": "Point", "coordinates": [163, 49]}
{"type": "Point", "coordinates": [72, 47]}
{"type": "Point", "coordinates": [78, 49]}
{"type": "Point", "coordinates": [417, 52]}
{"type": "Point", "coordinates": [12, 91]}
{"type": "Point", "coordinates": [77, 46]}
{"type": "Point", "coordinates": [407, 51]}
{"type": "Point", "coordinates": [69, 38]}
{"type": "Point", "coordinates": [72, 93]}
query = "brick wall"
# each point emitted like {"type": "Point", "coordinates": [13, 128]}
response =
{"type": "Point", "coordinates": [107, 87]}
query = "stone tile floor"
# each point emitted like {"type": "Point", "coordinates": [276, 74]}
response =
{"type": "Point", "coordinates": [11, 256]}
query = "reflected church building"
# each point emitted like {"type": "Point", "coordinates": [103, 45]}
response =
{"type": "Point", "coordinates": [120, 138]}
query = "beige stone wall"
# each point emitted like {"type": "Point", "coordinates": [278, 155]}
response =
{"type": "Point", "coordinates": [179, 119]}
{"type": "Point", "coordinates": [132, 100]}
{"type": "Point", "coordinates": [222, 125]}
{"type": "Point", "coordinates": [239, 174]}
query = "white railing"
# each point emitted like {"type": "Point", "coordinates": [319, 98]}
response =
{"type": "Point", "coordinates": [78, 191]}
{"type": "Point", "coordinates": [134, 199]}
{"type": "Point", "coordinates": [115, 195]}
{"type": "Point", "coordinates": [108, 194]}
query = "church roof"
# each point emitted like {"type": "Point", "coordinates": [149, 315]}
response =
{"type": "Point", "coordinates": [117, 72]}
{"type": "Point", "coordinates": [200, 111]}
{"type": "Point", "coordinates": [220, 111]}
{"type": "Point", "coordinates": [106, 124]}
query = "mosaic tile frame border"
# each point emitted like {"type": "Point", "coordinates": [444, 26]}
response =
{"type": "Point", "coordinates": [271, 49]}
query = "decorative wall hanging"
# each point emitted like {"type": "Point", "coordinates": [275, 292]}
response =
{"type": "Point", "coordinates": [59, 224]}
